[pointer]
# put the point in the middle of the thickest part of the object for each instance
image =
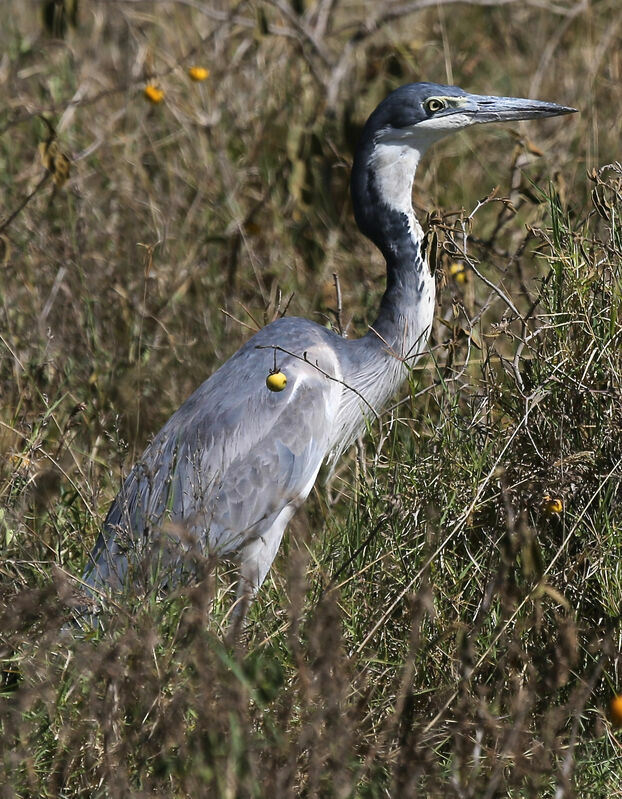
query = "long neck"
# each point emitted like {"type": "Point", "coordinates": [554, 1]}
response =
{"type": "Point", "coordinates": [382, 179]}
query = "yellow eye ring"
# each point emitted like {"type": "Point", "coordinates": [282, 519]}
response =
{"type": "Point", "coordinates": [276, 381]}
{"type": "Point", "coordinates": [434, 104]}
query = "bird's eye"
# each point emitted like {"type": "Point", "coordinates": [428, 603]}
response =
{"type": "Point", "coordinates": [434, 104]}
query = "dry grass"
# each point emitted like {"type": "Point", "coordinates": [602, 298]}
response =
{"type": "Point", "coordinates": [435, 626]}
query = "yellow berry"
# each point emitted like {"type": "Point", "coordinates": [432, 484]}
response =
{"type": "Point", "coordinates": [153, 94]}
{"type": "Point", "coordinates": [276, 381]}
{"type": "Point", "coordinates": [198, 73]}
{"type": "Point", "coordinates": [615, 710]}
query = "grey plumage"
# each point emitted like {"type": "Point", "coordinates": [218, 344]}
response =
{"type": "Point", "coordinates": [225, 474]}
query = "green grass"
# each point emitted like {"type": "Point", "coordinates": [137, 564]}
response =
{"type": "Point", "coordinates": [430, 627]}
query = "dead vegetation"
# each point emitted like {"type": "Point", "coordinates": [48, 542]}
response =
{"type": "Point", "coordinates": [445, 617]}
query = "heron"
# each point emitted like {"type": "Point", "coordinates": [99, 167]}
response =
{"type": "Point", "coordinates": [231, 466]}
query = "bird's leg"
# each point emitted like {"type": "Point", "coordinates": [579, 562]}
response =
{"type": "Point", "coordinates": [245, 594]}
{"type": "Point", "coordinates": [249, 580]}
{"type": "Point", "coordinates": [255, 560]}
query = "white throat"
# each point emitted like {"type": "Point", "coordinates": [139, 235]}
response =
{"type": "Point", "coordinates": [396, 155]}
{"type": "Point", "coordinates": [394, 164]}
{"type": "Point", "coordinates": [394, 161]}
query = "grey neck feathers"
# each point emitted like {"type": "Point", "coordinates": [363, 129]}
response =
{"type": "Point", "coordinates": [382, 178]}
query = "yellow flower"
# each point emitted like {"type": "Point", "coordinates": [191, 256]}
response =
{"type": "Point", "coordinates": [615, 710]}
{"type": "Point", "coordinates": [20, 462]}
{"type": "Point", "coordinates": [458, 272]}
{"type": "Point", "coordinates": [198, 73]}
{"type": "Point", "coordinates": [552, 505]}
{"type": "Point", "coordinates": [153, 94]}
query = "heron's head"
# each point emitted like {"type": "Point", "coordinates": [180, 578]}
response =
{"type": "Point", "coordinates": [419, 114]}
{"type": "Point", "coordinates": [401, 129]}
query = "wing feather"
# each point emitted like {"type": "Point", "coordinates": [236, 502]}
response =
{"type": "Point", "coordinates": [234, 455]}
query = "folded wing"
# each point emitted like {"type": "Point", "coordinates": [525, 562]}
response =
{"type": "Point", "coordinates": [228, 469]}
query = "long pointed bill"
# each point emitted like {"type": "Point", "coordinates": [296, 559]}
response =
{"type": "Point", "coordinates": [505, 109]}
